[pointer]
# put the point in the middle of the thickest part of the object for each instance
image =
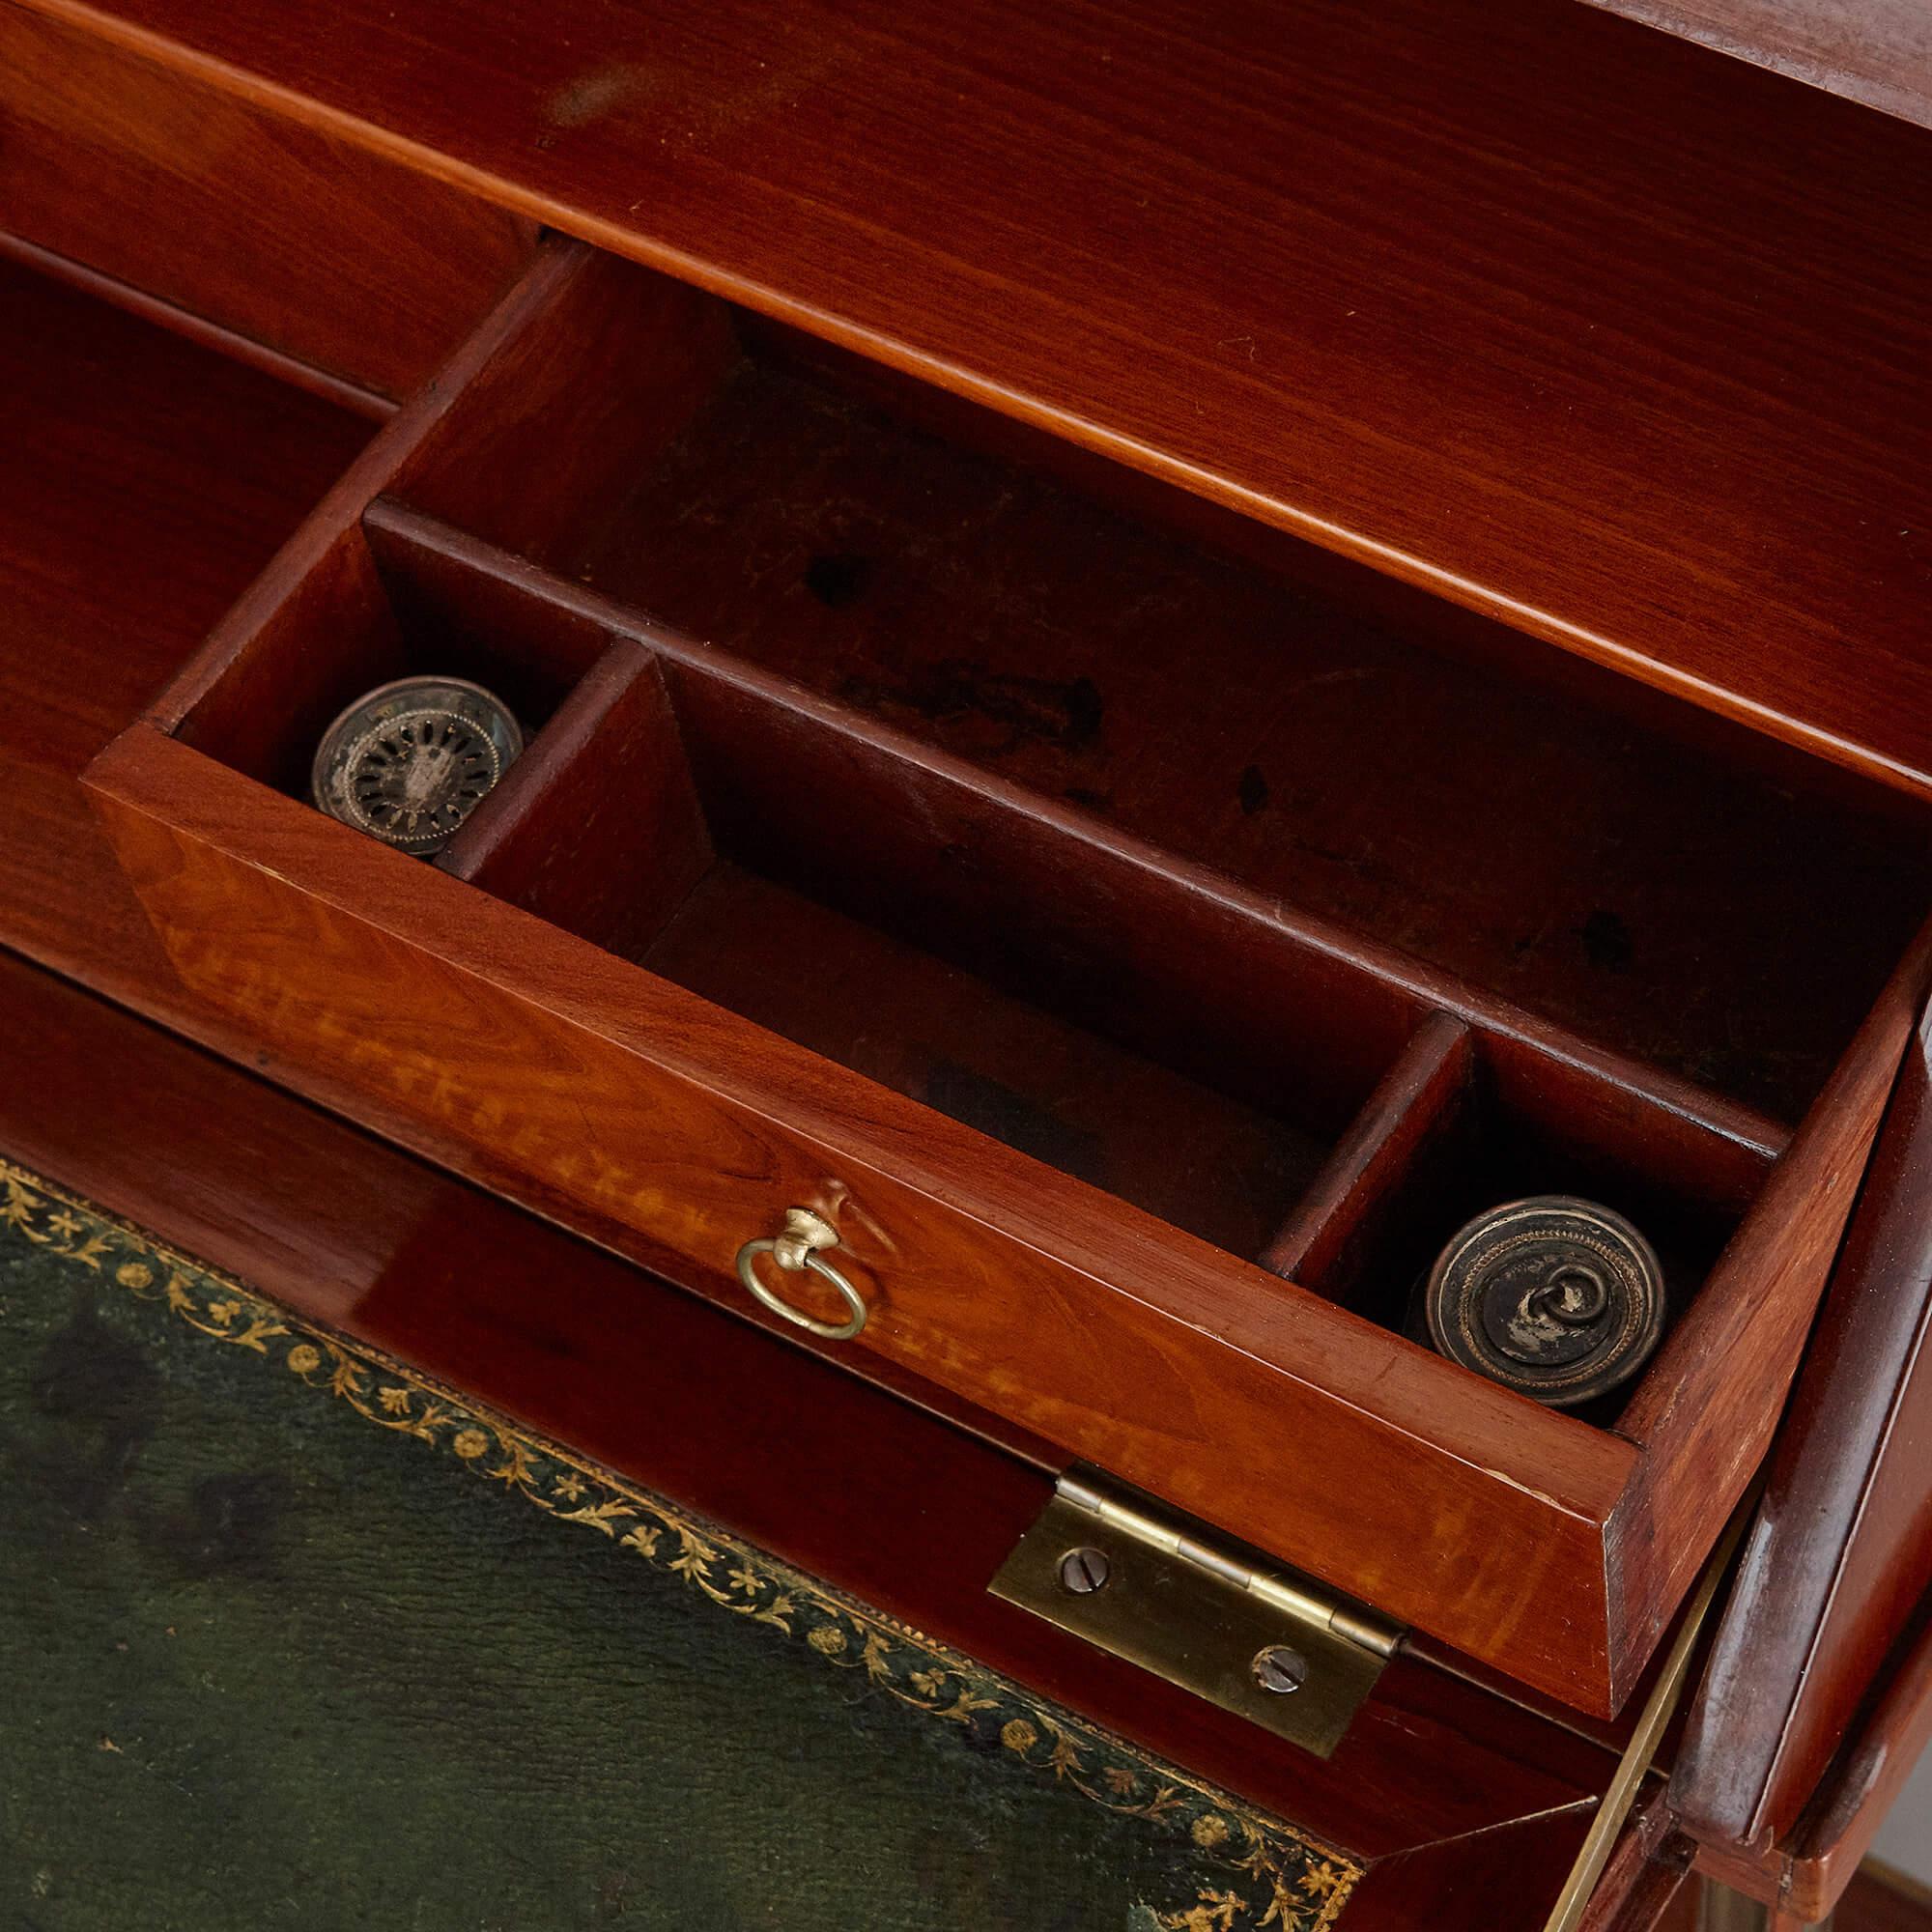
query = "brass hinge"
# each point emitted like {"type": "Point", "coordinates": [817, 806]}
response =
{"type": "Point", "coordinates": [1168, 1593]}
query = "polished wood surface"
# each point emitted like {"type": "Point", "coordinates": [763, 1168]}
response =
{"type": "Point", "coordinates": [276, 364]}
{"type": "Point", "coordinates": [597, 828]}
{"type": "Point", "coordinates": [368, 271]}
{"type": "Point", "coordinates": [741, 592]}
{"type": "Point", "coordinates": [1700, 1428]}
{"type": "Point", "coordinates": [159, 478]}
{"type": "Point", "coordinates": [1820, 1863]}
{"type": "Point", "coordinates": [1434, 1777]}
{"type": "Point", "coordinates": [1191, 951]}
{"type": "Point", "coordinates": [523, 1054]}
{"type": "Point", "coordinates": [1576, 323]}
{"type": "Point", "coordinates": [1882, 1747]}
{"type": "Point", "coordinates": [1624, 879]}
{"type": "Point", "coordinates": [1398, 1134]}
{"type": "Point", "coordinates": [1842, 1550]}
{"type": "Point", "coordinates": [1642, 1885]}
{"type": "Point", "coordinates": [209, 466]}
{"type": "Point", "coordinates": [683, 1133]}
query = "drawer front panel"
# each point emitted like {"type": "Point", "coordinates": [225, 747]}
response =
{"type": "Point", "coordinates": [675, 1132]}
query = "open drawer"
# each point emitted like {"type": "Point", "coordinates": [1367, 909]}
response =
{"type": "Point", "coordinates": [1141, 938]}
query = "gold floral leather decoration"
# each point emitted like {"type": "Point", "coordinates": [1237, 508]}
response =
{"type": "Point", "coordinates": [1264, 1873]}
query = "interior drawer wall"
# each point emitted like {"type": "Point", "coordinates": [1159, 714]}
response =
{"type": "Point", "coordinates": [348, 263]}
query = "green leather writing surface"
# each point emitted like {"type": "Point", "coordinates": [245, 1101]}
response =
{"type": "Point", "coordinates": [291, 1638]}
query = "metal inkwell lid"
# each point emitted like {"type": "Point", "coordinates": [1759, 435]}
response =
{"type": "Point", "coordinates": [1556, 1297]}
{"type": "Point", "coordinates": [410, 761]}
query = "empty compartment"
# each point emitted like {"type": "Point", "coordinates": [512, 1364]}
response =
{"type": "Point", "coordinates": [1085, 1000]}
{"type": "Point", "coordinates": [717, 834]}
{"type": "Point", "coordinates": [1647, 876]}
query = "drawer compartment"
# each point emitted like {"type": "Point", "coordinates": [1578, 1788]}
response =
{"type": "Point", "coordinates": [1143, 943]}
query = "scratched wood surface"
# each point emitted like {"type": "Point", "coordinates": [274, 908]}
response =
{"type": "Point", "coordinates": [1877, 52]}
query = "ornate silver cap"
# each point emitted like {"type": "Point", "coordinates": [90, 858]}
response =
{"type": "Point", "coordinates": [411, 760]}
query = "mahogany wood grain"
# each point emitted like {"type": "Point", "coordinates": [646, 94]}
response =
{"type": "Point", "coordinates": [1629, 879]}
{"type": "Point", "coordinates": [1646, 1872]}
{"type": "Point", "coordinates": [827, 789]}
{"type": "Point", "coordinates": [879, 1500]}
{"type": "Point", "coordinates": [555, 419]}
{"type": "Point", "coordinates": [1658, 1900]}
{"type": "Point", "coordinates": [224, 341]}
{"type": "Point", "coordinates": [967, 1351]}
{"type": "Point", "coordinates": [221, 654]}
{"type": "Point", "coordinates": [675, 1132]}
{"type": "Point", "coordinates": [1389, 1139]}
{"type": "Point", "coordinates": [741, 942]}
{"type": "Point", "coordinates": [1699, 1427]}
{"type": "Point", "coordinates": [1568, 319]}
{"type": "Point", "coordinates": [1888, 1737]}
{"type": "Point", "coordinates": [1680, 1913]}
{"type": "Point", "coordinates": [293, 238]}
{"type": "Point", "coordinates": [307, 996]}
{"type": "Point", "coordinates": [596, 828]}
{"type": "Point", "coordinates": [1343, 585]}
{"type": "Point", "coordinates": [209, 467]}
{"type": "Point", "coordinates": [1788, 1294]}
{"type": "Point", "coordinates": [1842, 1548]}
{"type": "Point", "coordinates": [818, 795]}
{"type": "Point", "coordinates": [260, 691]}
{"type": "Point", "coordinates": [1223, 962]}
{"type": "Point", "coordinates": [152, 480]}
{"type": "Point", "coordinates": [825, 794]}
{"type": "Point", "coordinates": [1442, 1883]}
{"type": "Point", "coordinates": [254, 681]}
{"type": "Point", "coordinates": [1877, 52]}
{"type": "Point", "coordinates": [1035, 1079]}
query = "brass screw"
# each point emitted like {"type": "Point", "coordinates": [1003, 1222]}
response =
{"type": "Point", "coordinates": [1084, 1570]}
{"type": "Point", "coordinates": [1280, 1670]}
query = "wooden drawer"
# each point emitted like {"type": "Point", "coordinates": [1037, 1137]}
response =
{"type": "Point", "coordinates": [673, 1394]}
{"type": "Point", "coordinates": [1143, 938]}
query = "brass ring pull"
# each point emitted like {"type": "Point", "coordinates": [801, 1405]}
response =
{"type": "Point", "coordinates": [798, 1247]}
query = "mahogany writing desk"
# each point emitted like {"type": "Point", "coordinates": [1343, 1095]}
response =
{"type": "Point", "coordinates": [1163, 653]}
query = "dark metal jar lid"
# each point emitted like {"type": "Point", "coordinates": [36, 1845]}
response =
{"type": "Point", "coordinates": [410, 761]}
{"type": "Point", "coordinates": [1556, 1297]}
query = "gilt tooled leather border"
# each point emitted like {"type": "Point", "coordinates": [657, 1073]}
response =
{"type": "Point", "coordinates": [1265, 1874]}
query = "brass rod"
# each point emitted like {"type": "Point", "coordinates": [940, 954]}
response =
{"type": "Point", "coordinates": [1617, 1801]}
